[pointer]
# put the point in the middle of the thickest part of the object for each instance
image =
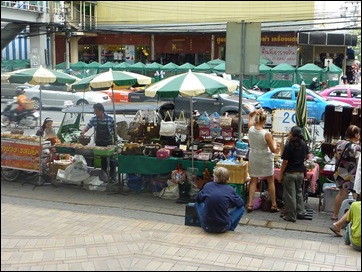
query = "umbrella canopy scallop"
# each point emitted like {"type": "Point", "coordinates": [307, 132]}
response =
{"type": "Point", "coordinates": [110, 78]}
{"type": "Point", "coordinates": [38, 75]}
{"type": "Point", "coordinates": [190, 84]}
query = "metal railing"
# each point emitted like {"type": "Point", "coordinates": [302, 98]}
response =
{"type": "Point", "coordinates": [38, 6]}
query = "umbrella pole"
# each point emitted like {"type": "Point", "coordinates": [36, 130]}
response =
{"type": "Point", "coordinates": [114, 116]}
{"type": "Point", "coordinates": [40, 145]}
{"type": "Point", "coordinates": [192, 134]}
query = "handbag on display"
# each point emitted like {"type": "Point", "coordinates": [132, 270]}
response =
{"type": "Point", "coordinates": [131, 149]}
{"type": "Point", "coordinates": [215, 120]}
{"type": "Point", "coordinates": [215, 132]}
{"type": "Point", "coordinates": [177, 152]}
{"type": "Point", "coordinates": [150, 150]}
{"type": "Point", "coordinates": [136, 126]}
{"type": "Point", "coordinates": [181, 124]}
{"type": "Point", "coordinates": [163, 153]}
{"type": "Point", "coordinates": [203, 119]}
{"type": "Point", "coordinates": [227, 132]}
{"type": "Point", "coordinates": [204, 131]}
{"type": "Point", "coordinates": [225, 121]}
{"type": "Point", "coordinates": [152, 126]}
{"type": "Point", "coordinates": [167, 128]}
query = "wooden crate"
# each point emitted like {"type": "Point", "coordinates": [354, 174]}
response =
{"type": "Point", "coordinates": [238, 172]}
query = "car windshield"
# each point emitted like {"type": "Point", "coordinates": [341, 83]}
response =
{"type": "Point", "coordinates": [310, 92]}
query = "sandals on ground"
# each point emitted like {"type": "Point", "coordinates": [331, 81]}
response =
{"type": "Point", "coordinates": [274, 209]}
{"type": "Point", "coordinates": [249, 208]}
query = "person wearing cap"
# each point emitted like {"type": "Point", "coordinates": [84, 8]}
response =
{"type": "Point", "coordinates": [46, 130]}
{"type": "Point", "coordinates": [292, 174]}
{"type": "Point", "coordinates": [314, 85]}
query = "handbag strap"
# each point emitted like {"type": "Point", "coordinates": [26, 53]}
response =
{"type": "Point", "coordinates": [169, 115]}
{"type": "Point", "coordinates": [342, 155]}
{"type": "Point", "coordinates": [181, 118]}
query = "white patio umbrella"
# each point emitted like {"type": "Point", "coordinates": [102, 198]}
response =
{"type": "Point", "coordinates": [190, 84]}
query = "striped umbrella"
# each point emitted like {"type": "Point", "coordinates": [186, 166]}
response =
{"type": "Point", "coordinates": [301, 111]}
{"type": "Point", "coordinates": [109, 79]}
{"type": "Point", "coordinates": [190, 84]}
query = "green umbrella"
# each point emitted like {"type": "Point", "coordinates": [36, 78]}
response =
{"type": "Point", "coordinates": [39, 76]}
{"type": "Point", "coordinates": [219, 68]}
{"type": "Point", "coordinates": [301, 111]}
{"type": "Point", "coordinates": [190, 84]}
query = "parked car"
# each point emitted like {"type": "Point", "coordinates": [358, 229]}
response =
{"type": "Point", "coordinates": [220, 103]}
{"type": "Point", "coordinates": [55, 95]}
{"type": "Point", "coordinates": [8, 90]}
{"type": "Point", "coordinates": [350, 94]}
{"type": "Point", "coordinates": [248, 93]}
{"type": "Point", "coordinates": [286, 98]}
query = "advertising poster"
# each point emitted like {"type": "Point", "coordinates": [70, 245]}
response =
{"type": "Point", "coordinates": [21, 156]}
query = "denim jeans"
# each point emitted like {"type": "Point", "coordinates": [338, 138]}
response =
{"type": "Point", "coordinates": [235, 213]}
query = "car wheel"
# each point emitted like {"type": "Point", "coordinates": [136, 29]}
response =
{"type": "Point", "coordinates": [36, 103]}
{"type": "Point", "coordinates": [9, 174]}
{"type": "Point", "coordinates": [267, 110]}
{"type": "Point", "coordinates": [82, 102]}
{"type": "Point", "coordinates": [32, 121]}
{"type": "Point", "coordinates": [6, 121]}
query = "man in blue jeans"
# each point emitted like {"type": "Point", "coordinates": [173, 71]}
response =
{"type": "Point", "coordinates": [213, 203]}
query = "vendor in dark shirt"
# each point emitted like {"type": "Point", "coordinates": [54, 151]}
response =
{"type": "Point", "coordinates": [213, 203]}
{"type": "Point", "coordinates": [291, 174]}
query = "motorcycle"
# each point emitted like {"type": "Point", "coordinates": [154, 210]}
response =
{"type": "Point", "coordinates": [28, 117]}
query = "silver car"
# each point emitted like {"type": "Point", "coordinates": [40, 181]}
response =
{"type": "Point", "coordinates": [54, 96]}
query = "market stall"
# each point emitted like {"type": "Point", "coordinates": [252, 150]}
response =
{"type": "Point", "coordinates": [22, 153]}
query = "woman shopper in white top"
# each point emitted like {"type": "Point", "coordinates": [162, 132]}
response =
{"type": "Point", "coordinates": [261, 157]}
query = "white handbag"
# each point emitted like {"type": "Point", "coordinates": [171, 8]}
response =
{"type": "Point", "coordinates": [167, 128]}
{"type": "Point", "coordinates": [181, 124]}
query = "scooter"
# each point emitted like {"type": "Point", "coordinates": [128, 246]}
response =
{"type": "Point", "coordinates": [26, 118]}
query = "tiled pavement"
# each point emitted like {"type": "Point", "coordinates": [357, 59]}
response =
{"type": "Point", "coordinates": [69, 228]}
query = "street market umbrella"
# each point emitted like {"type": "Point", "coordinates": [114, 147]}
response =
{"type": "Point", "coordinates": [39, 76]}
{"type": "Point", "coordinates": [301, 115]}
{"type": "Point", "coordinates": [190, 84]}
{"type": "Point", "coordinates": [109, 79]}
{"type": "Point", "coordinates": [215, 62]}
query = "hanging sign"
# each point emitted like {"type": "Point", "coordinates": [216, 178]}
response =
{"type": "Point", "coordinates": [283, 120]}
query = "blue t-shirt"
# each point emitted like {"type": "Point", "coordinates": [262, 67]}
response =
{"type": "Point", "coordinates": [218, 199]}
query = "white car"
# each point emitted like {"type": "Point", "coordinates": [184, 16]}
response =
{"type": "Point", "coordinates": [54, 96]}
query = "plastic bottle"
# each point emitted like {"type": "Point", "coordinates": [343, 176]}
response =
{"type": "Point", "coordinates": [230, 155]}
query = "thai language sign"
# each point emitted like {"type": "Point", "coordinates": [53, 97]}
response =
{"type": "Point", "coordinates": [21, 156]}
{"type": "Point", "coordinates": [280, 54]}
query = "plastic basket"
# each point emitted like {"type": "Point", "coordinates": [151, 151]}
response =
{"type": "Point", "coordinates": [238, 172]}
{"type": "Point", "coordinates": [103, 152]}
{"type": "Point", "coordinates": [28, 105]}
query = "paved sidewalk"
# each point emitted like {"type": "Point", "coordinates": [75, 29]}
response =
{"type": "Point", "coordinates": [70, 228]}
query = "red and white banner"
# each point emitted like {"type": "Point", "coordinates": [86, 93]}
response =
{"type": "Point", "coordinates": [280, 54]}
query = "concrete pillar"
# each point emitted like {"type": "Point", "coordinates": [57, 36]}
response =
{"type": "Point", "coordinates": [74, 49]}
{"type": "Point", "coordinates": [38, 46]}
{"type": "Point", "coordinates": [152, 47]}
{"type": "Point", "coordinates": [212, 47]}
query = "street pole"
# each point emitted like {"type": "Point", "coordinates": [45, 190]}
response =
{"type": "Point", "coordinates": [67, 37]}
